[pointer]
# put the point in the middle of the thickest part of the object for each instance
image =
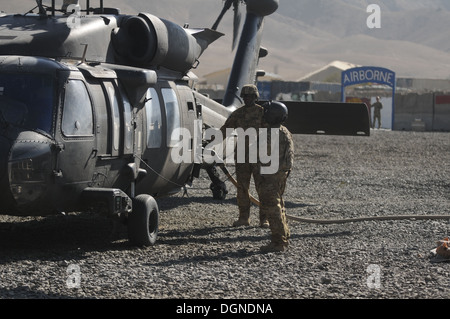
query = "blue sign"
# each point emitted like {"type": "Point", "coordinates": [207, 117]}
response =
{"type": "Point", "coordinates": [368, 74]}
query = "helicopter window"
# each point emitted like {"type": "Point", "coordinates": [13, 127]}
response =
{"type": "Point", "coordinates": [77, 114]}
{"type": "Point", "coordinates": [27, 100]}
{"type": "Point", "coordinates": [115, 114]}
{"type": "Point", "coordinates": [172, 115]}
{"type": "Point", "coordinates": [153, 110]}
{"type": "Point", "coordinates": [128, 124]}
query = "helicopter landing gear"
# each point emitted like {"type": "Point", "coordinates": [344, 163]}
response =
{"type": "Point", "coordinates": [218, 188]}
{"type": "Point", "coordinates": [143, 221]}
{"type": "Point", "coordinates": [219, 191]}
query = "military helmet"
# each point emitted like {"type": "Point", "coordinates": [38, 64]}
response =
{"type": "Point", "coordinates": [275, 112]}
{"type": "Point", "coordinates": [250, 89]}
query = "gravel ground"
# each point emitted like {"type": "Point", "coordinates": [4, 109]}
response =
{"type": "Point", "coordinates": [198, 255]}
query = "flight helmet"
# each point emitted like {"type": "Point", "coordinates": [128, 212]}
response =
{"type": "Point", "coordinates": [275, 113]}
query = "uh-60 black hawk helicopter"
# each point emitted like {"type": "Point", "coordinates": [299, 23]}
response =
{"type": "Point", "coordinates": [89, 99]}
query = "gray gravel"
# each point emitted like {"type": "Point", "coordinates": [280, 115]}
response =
{"type": "Point", "coordinates": [198, 254]}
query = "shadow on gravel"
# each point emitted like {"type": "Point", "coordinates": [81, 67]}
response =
{"type": "Point", "coordinates": [205, 258]}
{"type": "Point", "coordinates": [74, 236]}
{"type": "Point", "coordinates": [168, 203]}
{"type": "Point", "coordinates": [289, 204]}
{"type": "Point", "coordinates": [229, 234]}
{"type": "Point", "coordinates": [58, 237]}
{"type": "Point", "coordinates": [29, 293]}
{"type": "Point", "coordinates": [221, 247]}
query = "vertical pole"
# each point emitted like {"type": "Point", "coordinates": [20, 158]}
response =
{"type": "Point", "coordinates": [393, 104]}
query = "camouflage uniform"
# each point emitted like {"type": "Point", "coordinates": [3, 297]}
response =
{"type": "Point", "coordinates": [377, 112]}
{"type": "Point", "coordinates": [271, 190]}
{"type": "Point", "coordinates": [245, 117]}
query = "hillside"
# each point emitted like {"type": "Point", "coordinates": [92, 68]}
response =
{"type": "Point", "coordinates": [306, 35]}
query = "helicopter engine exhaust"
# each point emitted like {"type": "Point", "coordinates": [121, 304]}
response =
{"type": "Point", "coordinates": [148, 41]}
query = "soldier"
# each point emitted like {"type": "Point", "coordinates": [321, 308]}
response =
{"type": "Point", "coordinates": [272, 186]}
{"type": "Point", "coordinates": [377, 106]}
{"type": "Point", "coordinates": [248, 116]}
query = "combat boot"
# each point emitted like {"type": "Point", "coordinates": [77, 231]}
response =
{"type": "Point", "coordinates": [263, 221]}
{"type": "Point", "coordinates": [244, 217]}
{"type": "Point", "coordinates": [274, 248]}
{"type": "Point", "coordinates": [264, 224]}
{"type": "Point", "coordinates": [241, 222]}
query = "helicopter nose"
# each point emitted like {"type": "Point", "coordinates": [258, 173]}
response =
{"type": "Point", "coordinates": [29, 170]}
{"type": "Point", "coordinates": [6, 199]}
{"type": "Point", "coordinates": [5, 147]}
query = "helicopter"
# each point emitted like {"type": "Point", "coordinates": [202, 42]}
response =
{"type": "Point", "coordinates": [89, 102]}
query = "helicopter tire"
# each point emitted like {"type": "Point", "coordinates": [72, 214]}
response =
{"type": "Point", "coordinates": [143, 222]}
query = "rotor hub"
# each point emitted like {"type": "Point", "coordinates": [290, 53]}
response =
{"type": "Point", "coordinates": [262, 7]}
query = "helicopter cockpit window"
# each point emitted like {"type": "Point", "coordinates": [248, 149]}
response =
{"type": "Point", "coordinates": [77, 114]}
{"type": "Point", "coordinates": [26, 100]}
{"type": "Point", "coordinates": [153, 110]}
{"type": "Point", "coordinates": [172, 115]}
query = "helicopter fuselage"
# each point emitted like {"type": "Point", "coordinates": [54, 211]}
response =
{"type": "Point", "coordinates": [94, 107]}
{"type": "Point", "coordinates": [73, 128]}
{"type": "Point", "coordinates": [90, 103]}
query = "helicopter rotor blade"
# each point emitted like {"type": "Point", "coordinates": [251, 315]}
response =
{"type": "Point", "coordinates": [236, 22]}
{"type": "Point", "coordinates": [226, 7]}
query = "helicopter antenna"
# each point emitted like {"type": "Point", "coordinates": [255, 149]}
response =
{"type": "Point", "coordinates": [83, 59]}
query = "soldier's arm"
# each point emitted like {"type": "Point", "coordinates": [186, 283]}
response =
{"type": "Point", "coordinates": [229, 123]}
{"type": "Point", "coordinates": [287, 152]}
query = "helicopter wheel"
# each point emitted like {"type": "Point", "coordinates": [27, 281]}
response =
{"type": "Point", "coordinates": [143, 221]}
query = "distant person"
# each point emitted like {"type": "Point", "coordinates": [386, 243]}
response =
{"type": "Point", "coordinates": [377, 106]}
{"type": "Point", "coordinates": [272, 186]}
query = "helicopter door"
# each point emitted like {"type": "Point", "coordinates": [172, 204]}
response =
{"type": "Point", "coordinates": [75, 159]}
{"type": "Point", "coordinates": [179, 131]}
{"type": "Point", "coordinates": [122, 121]}
{"type": "Point", "coordinates": [154, 120]}
{"type": "Point", "coordinates": [173, 116]}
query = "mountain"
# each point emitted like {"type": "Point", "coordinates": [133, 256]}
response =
{"type": "Point", "coordinates": [305, 35]}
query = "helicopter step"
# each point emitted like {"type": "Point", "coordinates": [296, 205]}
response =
{"type": "Point", "coordinates": [140, 214]}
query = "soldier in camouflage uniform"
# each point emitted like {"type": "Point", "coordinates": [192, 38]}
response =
{"type": "Point", "coordinates": [377, 106]}
{"type": "Point", "coordinates": [250, 115]}
{"type": "Point", "coordinates": [272, 186]}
